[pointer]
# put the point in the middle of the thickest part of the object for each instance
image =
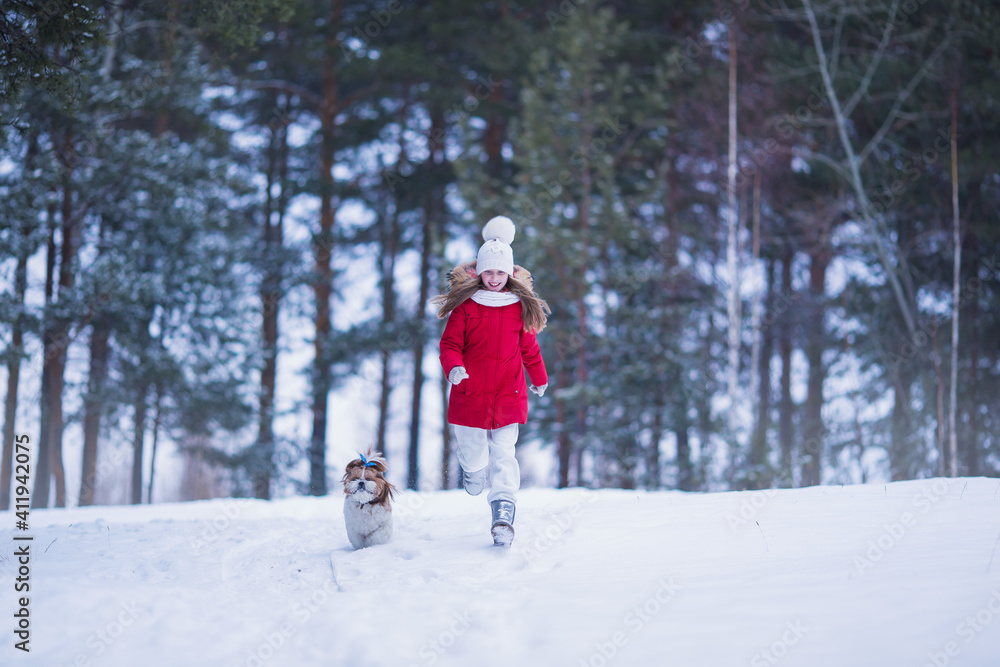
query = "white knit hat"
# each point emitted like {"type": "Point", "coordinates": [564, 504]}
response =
{"type": "Point", "coordinates": [496, 254]}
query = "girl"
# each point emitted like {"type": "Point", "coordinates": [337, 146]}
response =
{"type": "Point", "coordinates": [488, 342]}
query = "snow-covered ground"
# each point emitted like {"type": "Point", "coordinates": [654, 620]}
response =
{"type": "Point", "coordinates": [904, 574]}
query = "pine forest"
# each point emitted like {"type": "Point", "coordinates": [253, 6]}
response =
{"type": "Point", "coordinates": [768, 232]}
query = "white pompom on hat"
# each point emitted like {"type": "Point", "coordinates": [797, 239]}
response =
{"type": "Point", "coordinates": [496, 254]}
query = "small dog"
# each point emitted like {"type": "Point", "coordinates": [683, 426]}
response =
{"type": "Point", "coordinates": [367, 508]}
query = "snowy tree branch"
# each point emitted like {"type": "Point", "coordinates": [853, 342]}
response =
{"type": "Point", "coordinates": [873, 65]}
{"type": "Point", "coordinates": [903, 96]}
{"type": "Point", "coordinates": [853, 168]}
{"type": "Point", "coordinates": [837, 32]}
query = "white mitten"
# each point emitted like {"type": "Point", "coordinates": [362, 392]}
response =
{"type": "Point", "coordinates": [457, 374]}
{"type": "Point", "coordinates": [539, 390]}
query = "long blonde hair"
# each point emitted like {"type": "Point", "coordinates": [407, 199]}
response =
{"type": "Point", "coordinates": [463, 283]}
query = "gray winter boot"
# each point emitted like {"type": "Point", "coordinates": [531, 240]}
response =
{"type": "Point", "coordinates": [503, 522]}
{"type": "Point", "coordinates": [474, 482]}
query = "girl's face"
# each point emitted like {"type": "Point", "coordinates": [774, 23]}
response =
{"type": "Point", "coordinates": [494, 280]}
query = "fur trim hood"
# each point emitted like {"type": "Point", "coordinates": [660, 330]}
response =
{"type": "Point", "coordinates": [463, 282]}
{"type": "Point", "coordinates": [466, 272]}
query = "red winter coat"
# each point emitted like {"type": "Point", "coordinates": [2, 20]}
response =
{"type": "Point", "coordinates": [492, 345]}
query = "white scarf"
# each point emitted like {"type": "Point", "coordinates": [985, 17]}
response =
{"type": "Point", "coordinates": [488, 298]}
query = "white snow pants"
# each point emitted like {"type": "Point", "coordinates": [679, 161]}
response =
{"type": "Point", "coordinates": [477, 448]}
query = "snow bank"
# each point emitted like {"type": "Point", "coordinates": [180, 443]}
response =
{"type": "Point", "coordinates": [899, 574]}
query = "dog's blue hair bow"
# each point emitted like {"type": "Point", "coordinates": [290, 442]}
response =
{"type": "Point", "coordinates": [365, 462]}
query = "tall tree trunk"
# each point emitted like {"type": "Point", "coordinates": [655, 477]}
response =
{"type": "Point", "coordinates": [565, 447]}
{"type": "Point", "coordinates": [138, 440]}
{"type": "Point", "coordinates": [169, 41]}
{"type": "Point", "coordinates": [902, 465]}
{"type": "Point", "coordinates": [262, 461]}
{"type": "Point", "coordinates": [682, 429]}
{"type": "Point", "coordinates": [941, 432]}
{"type": "Point", "coordinates": [445, 437]}
{"type": "Point", "coordinates": [385, 351]}
{"type": "Point", "coordinates": [755, 313]}
{"type": "Point", "coordinates": [906, 459]}
{"type": "Point", "coordinates": [433, 212]}
{"type": "Point", "coordinates": [10, 414]}
{"type": "Point", "coordinates": [579, 286]}
{"type": "Point", "coordinates": [390, 241]}
{"type": "Point", "coordinates": [322, 253]}
{"type": "Point", "coordinates": [93, 403]}
{"type": "Point", "coordinates": [100, 333]}
{"type": "Point", "coordinates": [786, 407]}
{"type": "Point", "coordinates": [812, 418]}
{"type": "Point", "coordinates": [43, 472]}
{"type": "Point", "coordinates": [419, 343]}
{"type": "Point", "coordinates": [495, 132]}
{"type": "Point", "coordinates": [67, 278]}
{"type": "Point", "coordinates": [702, 400]}
{"type": "Point", "coordinates": [57, 336]}
{"type": "Point", "coordinates": [15, 353]}
{"type": "Point", "coordinates": [156, 439]}
{"type": "Point", "coordinates": [970, 447]}
{"type": "Point", "coordinates": [16, 350]}
{"type": "Point", "coordinates": [955, 288]}
{"type": "Point", "coordinates": [141, 396]}
{"type": "Point", "coordinates": [655, 436]}
{"type": "Point", "coordinates": [685, 468]}
{"type": "Point", "coordinates": [760, 470]}
{"type": "Point", "coordinates": [732, 265]}
{"type": "Point", "coordinates": [10, 410]}
{"type": "Point", "coordinates": [389, 229]}
{"type": "Point", "coordinates": [57, 370]}
{"type": "Point", "coordinates": [578, 461]}
{"type": "Point", "coordinates": [93, 406]}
